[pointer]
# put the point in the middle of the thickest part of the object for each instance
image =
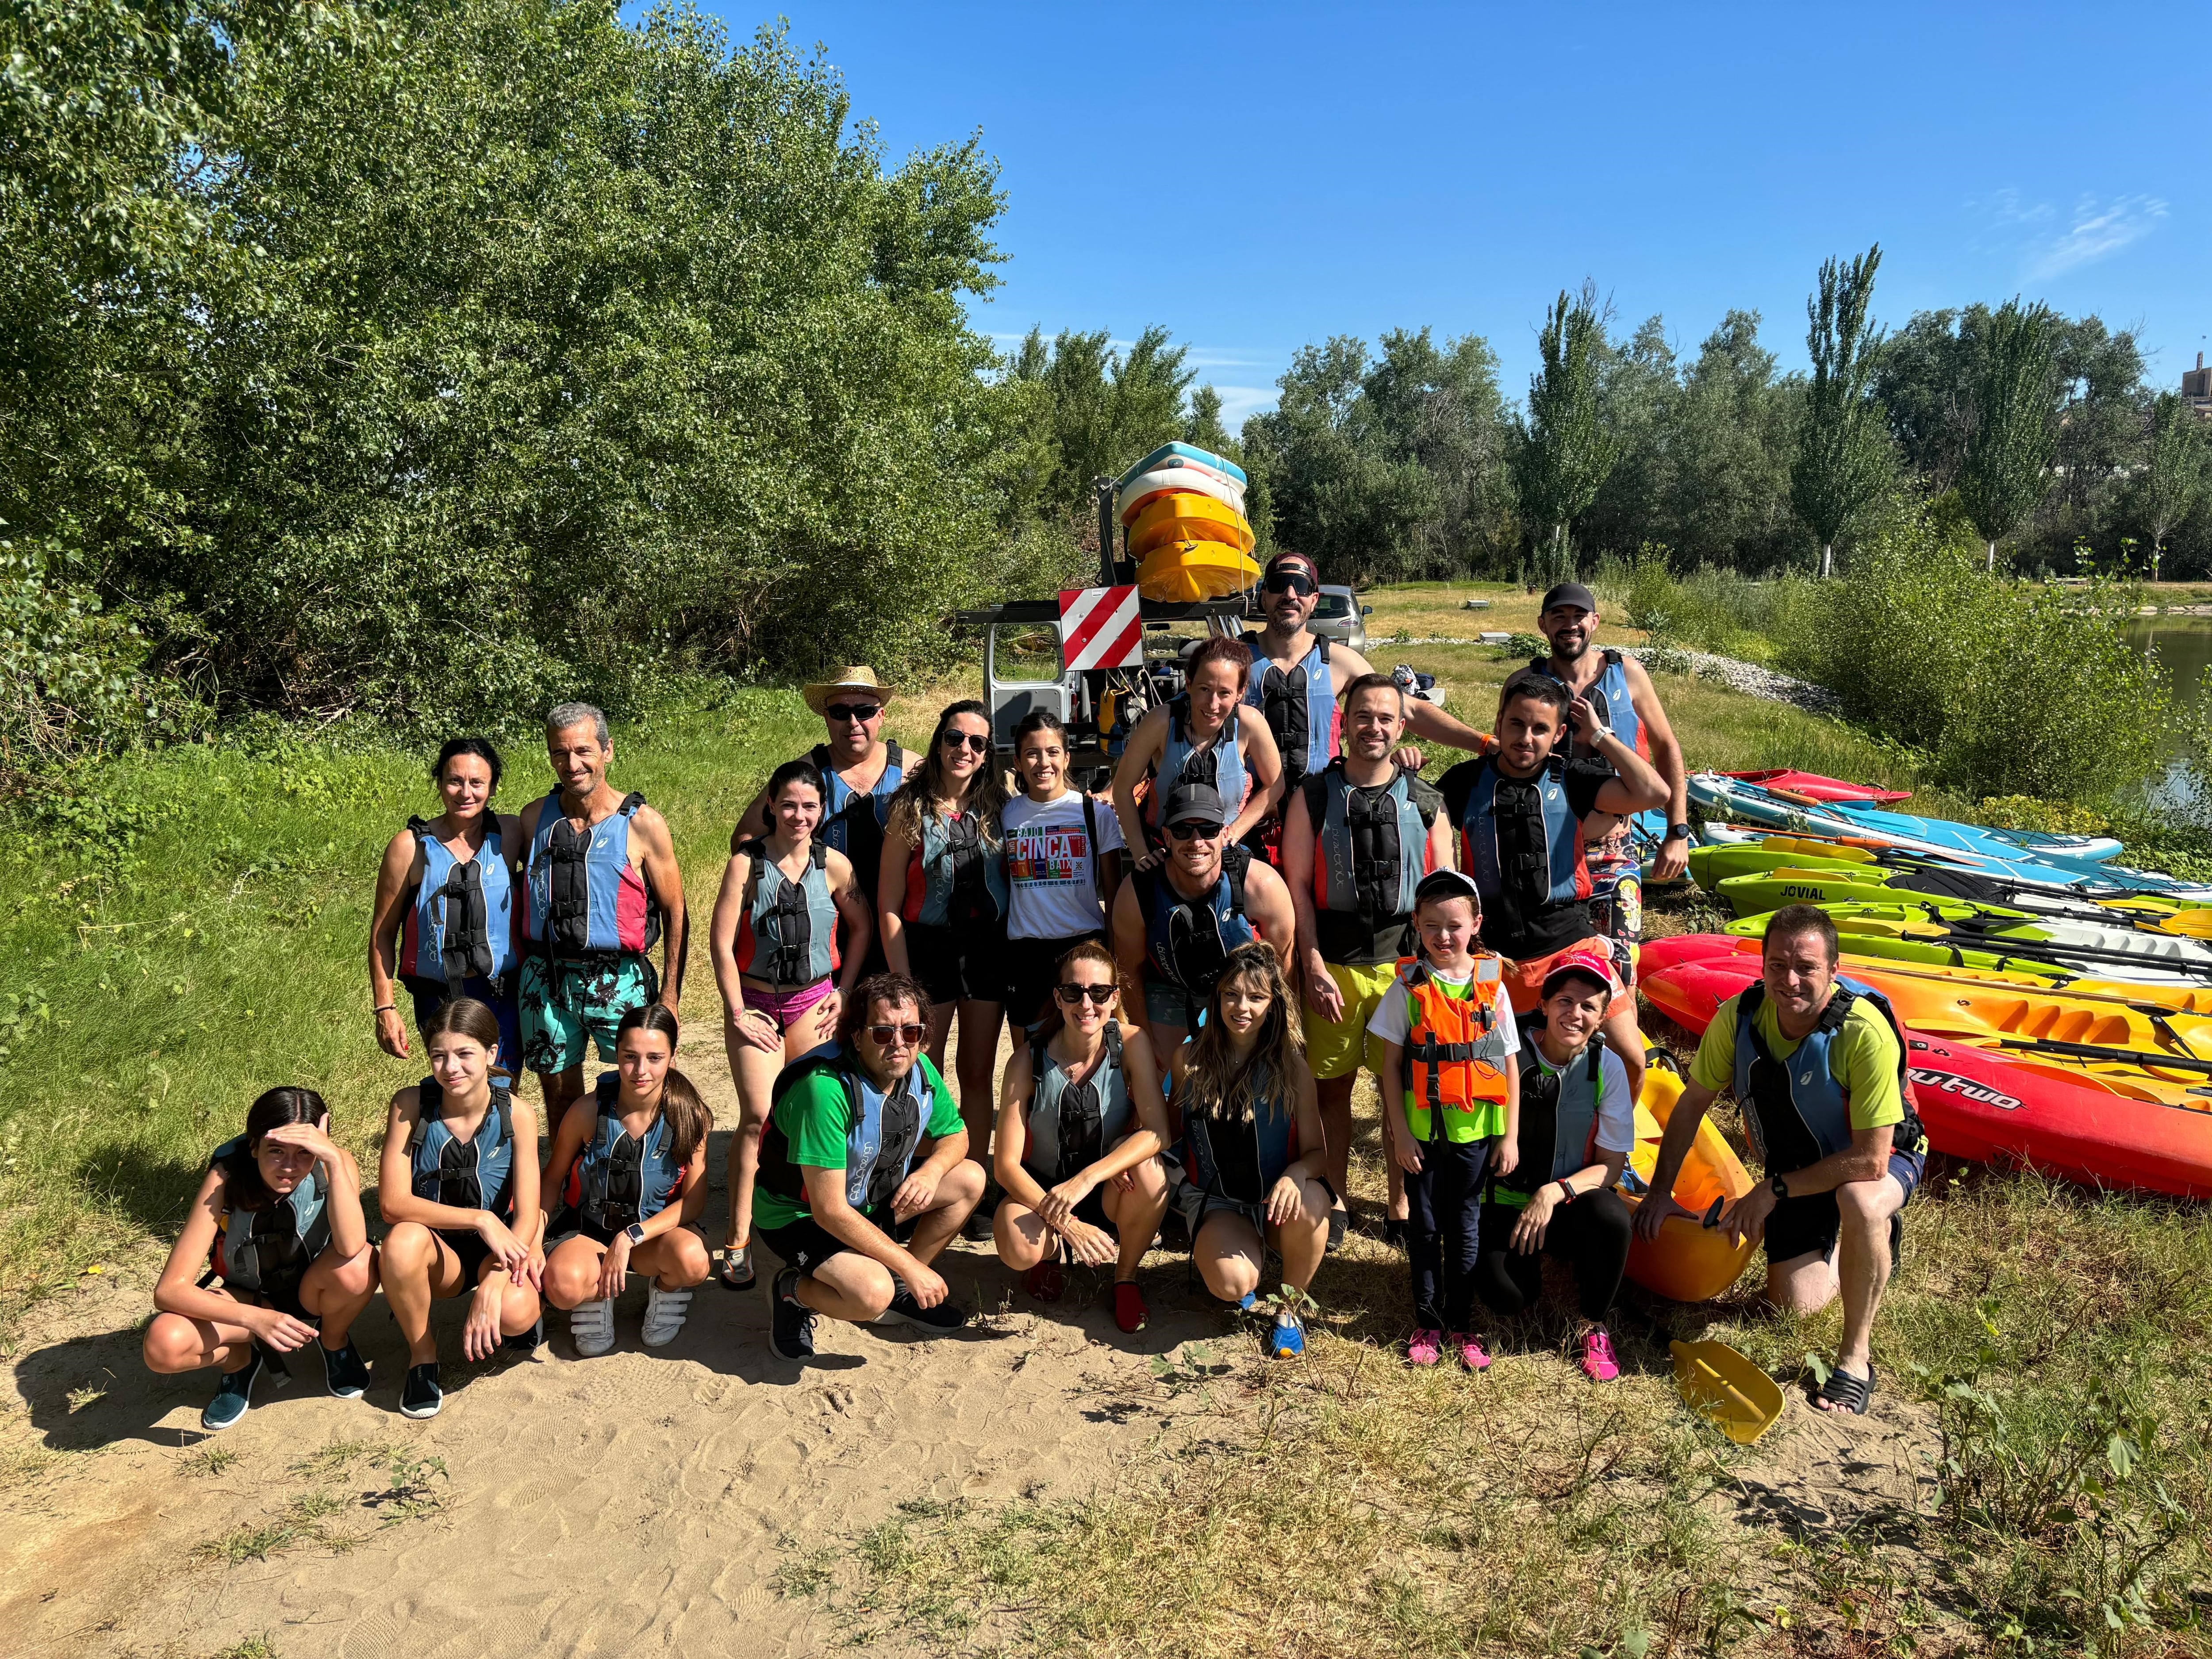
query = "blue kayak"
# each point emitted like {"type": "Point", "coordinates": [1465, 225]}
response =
{"type": "Point", "coordinates": [1736, 799]}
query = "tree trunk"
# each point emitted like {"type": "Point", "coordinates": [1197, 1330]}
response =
{"type": "Point", "coordinates": [1827, 560]}
{"type": "Point", "coordinates": [1990, 563]}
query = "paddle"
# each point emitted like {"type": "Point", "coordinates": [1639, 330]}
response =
{"type": "Point", "coordinates": [2147, 1059]}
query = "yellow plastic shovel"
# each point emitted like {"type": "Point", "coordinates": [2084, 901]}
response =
{"type": "Point", "coordinates": [1727, 1387]}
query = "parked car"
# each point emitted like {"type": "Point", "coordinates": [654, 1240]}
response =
{"type": "Point", "coordinates": [1339, 614]}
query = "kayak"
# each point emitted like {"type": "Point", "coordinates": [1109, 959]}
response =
{"type": "Point", "coordinates": [1717, 791]}
{"type": "Point", "coordinates": [1811, 852]}
{"type": "Point", "coordinates": [1974, 938]}
{"type": "Point", "coordinates": [1820, 788]}
{"type": "Point", "coordinates": [1168, 455]}
{"type": "Point", "coordinates": [1184, 571]}
{"type": "Point", "coordinates": [1687, 1262]}
{"type": "Point", "coordinates": [1145, 487]}
{"type": "Point", "coordinates": [1179, 516]}
{"type": "Point", "coordinates": [1829, 882]}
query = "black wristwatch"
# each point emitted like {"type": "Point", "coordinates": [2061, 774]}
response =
{"type": "Point", "coordinates": [635, 1234]}
{"type": "Point", "coordinates": [1678, 832]}
{"type": "Point", "coordinates": [1779, 1187]}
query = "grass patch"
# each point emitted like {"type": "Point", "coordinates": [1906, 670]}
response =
{"type": "Point", "coordinates": [408, 1491]}
{"type": "Point", "coordinates": [210, 1462]}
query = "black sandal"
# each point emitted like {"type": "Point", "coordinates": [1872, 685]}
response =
{"type": "Point", "coordinates": [1852, 1392]}
{"type": "Point", "coordinates": [737, 1269]}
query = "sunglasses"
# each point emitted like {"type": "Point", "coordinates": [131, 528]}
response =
{"type": "Point", "coordinates": [908, 1035]}
{"type": "Point", "coordinates": [1072, 994]}
{"type": "Point", "coordinates": [1291, 581]}
{"type": "Point", "coordinates": [1192, 830]}
{"type": "Point", "coordinates": [968, 740]}
{"type": "Point", "coordinates": [862, 712]}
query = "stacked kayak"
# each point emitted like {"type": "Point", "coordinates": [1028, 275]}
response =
{"type": "Point", "coordinates": [1777, 870]}
{"type": "Point", "coordinates": [1973, 936]}
{"type": "Point", "coordinates": [1723, 796]}
{"type": "Point", "coordinates": [1812, 785]}
{"type": "Point", "coordinates": [1181, 511]}
{"type": "Point", "coordinates": [2102, 1081]}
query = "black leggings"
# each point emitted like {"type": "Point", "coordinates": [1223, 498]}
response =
{"type": "Point", "coordinates": [1592, 1233]}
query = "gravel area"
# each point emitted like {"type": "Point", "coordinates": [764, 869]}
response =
{"type": "Point", "coordinates": [1748, 678]}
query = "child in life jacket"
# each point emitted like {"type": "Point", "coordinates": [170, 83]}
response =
{"type": "Point", "coordinates": [1451, 1092]}
{"type": "Point", "coordinates": [278, 1220]}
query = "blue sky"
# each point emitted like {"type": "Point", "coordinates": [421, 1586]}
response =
{"type": "Point", "coordinates": [1259, 178]}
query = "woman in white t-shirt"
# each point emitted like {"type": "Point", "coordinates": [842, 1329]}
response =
{"type": "Point", "coordinates": [1063, 852]}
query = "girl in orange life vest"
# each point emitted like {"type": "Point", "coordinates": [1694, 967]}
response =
{"type": "Point", "coordinates": [278, 1219]}
{"type": "Point", "coordinates": [636, 1146]}
{"type": "Point", "coordinates": [1081, 1125]}
{"type": "Point", "coordinates": [774, 940]}
{"type": "Point", "coordinates": [458, 1185]}
{"type": "Point", "coordinates": [1452, 1093]}
{"type": "Point", "coordinates": [1201, 737]}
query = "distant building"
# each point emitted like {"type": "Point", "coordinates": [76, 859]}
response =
{"type": "Point", "coordinates": [2196, 388]}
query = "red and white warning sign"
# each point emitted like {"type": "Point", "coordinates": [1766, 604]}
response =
{"type": "Point", "coordinates": [1099, 628]}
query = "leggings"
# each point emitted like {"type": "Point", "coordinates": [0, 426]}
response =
{"type": "Point", "coordinates": [1445, 1212]}
{"type": "Point", "coordinates": [1592, 1233]}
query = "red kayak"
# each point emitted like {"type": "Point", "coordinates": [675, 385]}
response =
{"type": "Point", "coordinates": [1986, 1107]}
{"type": "Point", "coordinates": [1813, 785]}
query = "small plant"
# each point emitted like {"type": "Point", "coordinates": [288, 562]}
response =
{"type": "Point", "coordinates": [210, 1462]}
{"type": "Point", "coordinates": [409, 1497]}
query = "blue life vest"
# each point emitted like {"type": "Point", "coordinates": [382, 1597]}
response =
{"type": "Point", "coordinates": [1370, 853]}
{"type": "Point", "coordinates": [622, 1178]}
{"type": "Point", "coordinates": [1610, 700]}
{"type": "Point", "coordinates": [788, 933]}
{"type": "Point", "coordinates": [1188, 940]}
{"type": "Point", "coordinates": [1532, 845]}
{"type": "Point", "coordinates": [963, 878]}
{"type": "Point", "coordinates": [460, 923]}
{"type": "Point", "coordinates": [853, 823]}
{"type": "Point", "coordinates": [267, 1250]}
{"type": "Point", "coordinates": [1240, 1162]}
{"type": "Point", "coordinates": [1220, 765]}
{"type": "Point", "coordinates": [469, 1174]}
{"type": "Point", "coordinates": [885, 1134]}
{"type": "Point", "coordinates": [1795, 1111]}
{"type": "Point", "coordinates": [1299, 705]}
{"type": "Point", "coordinates": [587, 899]}
{"type": "Point", "coordinates": [1072, 1125]}
{"type": "Point", "coordinates": [1559, 1113]}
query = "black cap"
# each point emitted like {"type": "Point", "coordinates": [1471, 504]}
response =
{"type": "Point", "coordinates": [1568, 593]}
{"type": "Point", "coordinates": [1447, 885]}
{"type": "Point", "coordinates": [1195, 800]}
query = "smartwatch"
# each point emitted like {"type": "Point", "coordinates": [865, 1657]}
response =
{"type": "Point", "coordinates": [1779, 1187]}
{"type": "Point", "coordinates": [635, 1234]}
{"type": "Point", "coordinates": [1678, 832]}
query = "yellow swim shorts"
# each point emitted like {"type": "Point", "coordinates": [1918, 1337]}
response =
{"type": "Point", "coordinates": [1340, 1049]}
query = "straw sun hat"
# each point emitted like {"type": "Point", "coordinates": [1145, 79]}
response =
{"type": "Point", "coordinates": [853, 677]}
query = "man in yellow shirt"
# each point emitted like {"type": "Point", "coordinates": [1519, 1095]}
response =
{"type": "Point", "coordinates": [1818, 1071]}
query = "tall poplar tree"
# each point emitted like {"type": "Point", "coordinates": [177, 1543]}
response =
{"type": "Point", "coordinates": [1844, 460]}
{"type": "Point", "coordinates": [1564, 451]}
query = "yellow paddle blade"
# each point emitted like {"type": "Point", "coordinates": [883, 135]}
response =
{"type": "Point", "coordinates": [1727, 1387]}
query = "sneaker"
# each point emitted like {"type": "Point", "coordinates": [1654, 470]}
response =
{"type": "Point", "coordinates": [421, 1396]}
{"type": "Point", "coordinates": [1288, 1337]}
{"type": "Point", "coordinates": [663, 1315]}
{"type": "Point", "coordinates": [1598, 1363]}
{"type": "Point", "coordinates": [1129, 1310]}
{"type": "Point", "coordinates": [1047, 1281]}
{"type": "Point", "coordinates": [1337, 1221]}
{"type": "Point", "coordinates": [946, 1316]}
{"type": "Point", "coordinates": [234, 1395]}
{"type": "Point", "coordinates": [1424, 1347]}
{"type": "Point", "coordinates": [592, 1326]}
{"type": "Point", "coordinates": [976, 1230]}
{"type": "Point", "coordinates": [346, 1372]}
{"type": "Point", "coordinates": [1469, 1346]}
{"type": "Point", "coordinates": [525, 1343]}
{"type": "Point", "coordinates": [737, 1272]}
{"type": "Point", "coordinates": [790, 1321]}
{"type": "Point", "coordinates": [1394, 1232]}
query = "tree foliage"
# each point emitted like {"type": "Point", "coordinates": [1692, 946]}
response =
{"type": "Point", "coordinates": [2176, 470]}
{"type": "Point", "coordinates": [2014, 432]}
{"type": "Point", "coordinates": [1563, 450]}
{"type": "Point", "coordinates": [1844, 466]}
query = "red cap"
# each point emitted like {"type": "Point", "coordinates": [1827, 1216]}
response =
{"type": "Point", "coordinates": [1595, 963]}
{"type": "Point", "coordinates": [1289, 561]}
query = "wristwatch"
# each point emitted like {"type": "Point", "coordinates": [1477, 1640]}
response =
{"type": "Point", "coordinates": [1779, 1187]}
{"type": "Point", "coordinates": [1599, 735]}
{"type": "Point", "coordinates": [635, 1234]}
{"type": "Point", "coordinates": [1678, 832]}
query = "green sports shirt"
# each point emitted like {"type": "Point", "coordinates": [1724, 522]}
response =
{"type": "Point", "coordinates": [817, 1120]}
{"type": "Point", "coordinates": [1864, 1054]}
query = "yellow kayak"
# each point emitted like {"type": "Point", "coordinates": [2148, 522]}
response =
{"type": "Point", "coordinates": [1185, 572]}
{"type": "Point", "coordinates": [1687, 1262]}
{"type": "Point", "coordinates": [1183, 516]}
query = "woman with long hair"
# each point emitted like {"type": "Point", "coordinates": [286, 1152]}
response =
{"type": "Point", "coordinates": [443, 922]}
{"type": "Point", "coordinates": [458, 1185]}
{"type": "Point", "coordinates": [631, 1166]}
{"type": "Point", "coordinates": [1200, 737]}
{"type": "Point", "coordinates": [1081, 1127]}
{"type": "Point", "coordinates": [277, 1219]}
{"type": "Point", "coordinates": [941, 901]}
{"type": "Point", "coordinates": [1252, 1156]}
{"type": "Point", "coordinates": [1063, 867]}
{"type": "Point", "coordinates": [774, 940]}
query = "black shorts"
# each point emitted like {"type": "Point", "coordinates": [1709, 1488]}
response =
{"type": "Point", "coordinates": [805, 1243]}
{"type": "Point", "coordinates": [1809, 1225]}
{"type": "Point", "coordinates": [1032, 970]}
{"type": "Point", "coordinates": [958, 964]}
{"type": "Point", "coordinates": [469, 1246]}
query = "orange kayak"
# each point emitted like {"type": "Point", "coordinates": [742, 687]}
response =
{"type": "Point", "coordinates": [1686, 1262]}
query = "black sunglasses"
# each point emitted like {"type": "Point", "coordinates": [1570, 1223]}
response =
{"type": "Point", "coordinates": [969, 740]}
{"type": "Point", "coordinates": [1072, 994]}
{"type": "Point", "coordinates": [1291, 581]}
{"type": "Point", "coordinates": [1191, 830]}
{"type": "Point", "coordinates": [862, 712]}
{"type": "Point", "coordinates": [884, 1034]}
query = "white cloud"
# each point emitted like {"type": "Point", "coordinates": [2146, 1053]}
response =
{"type": "Point", "coordinates": [1237, 402]}
{"type": "Point", "coordinates": [2050, 242]}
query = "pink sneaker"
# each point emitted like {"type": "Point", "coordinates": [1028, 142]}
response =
{"type": "Point", "coordinates": [1424, 1347]}
{"type": "Point", "coordinates": [1598, 1363]}
{"type": "Point", "coordinates": [1471, 1354]}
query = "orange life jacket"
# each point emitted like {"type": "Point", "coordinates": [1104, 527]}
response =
{"type": "Point", "coordinates": [1456, 1053]}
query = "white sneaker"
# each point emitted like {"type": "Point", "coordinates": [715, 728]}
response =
{"type": "Point", "coordinates": [592, 1326]}
{"type": "Point", "coordinates": [663, 1315]}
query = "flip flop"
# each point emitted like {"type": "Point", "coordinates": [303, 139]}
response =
{"type": "Point", "coordinates": [736, 1271]}
{"type": "Point", "coordinates": [1853, 1393]}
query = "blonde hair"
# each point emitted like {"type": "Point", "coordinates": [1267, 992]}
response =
{"type": "Point", "coordinates": [1214, 1084]}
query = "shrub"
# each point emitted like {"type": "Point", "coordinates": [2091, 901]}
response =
{"type": "Point", "coordinates": [1710, 609]}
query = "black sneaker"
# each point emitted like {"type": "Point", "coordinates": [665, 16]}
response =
{"type": "Point", "coordinates": [976, 1230]}
{"type": "Point", "coordinates": [790, 1321]}
{"type": "Point", "coordinates": [523, 1344]}
{"type": "Point", "coordinates": [1394, 1232]}
{"type": "Point", "coordinates": [421, 1396]}
{"type": "Point", "coordinates": [234, 1395]}
{"type": "Point", "coordinates": [1896, 1240]}
{"type": "Point", "coordinates": [346, 1372]}
{"type": "Point", "coordinates": [1336, 1219]}
{"type": "Point", "coordinates": [946, 1316]}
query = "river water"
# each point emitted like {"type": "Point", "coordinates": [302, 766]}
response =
{"type": "Point", "coordinates": [2183, 645]}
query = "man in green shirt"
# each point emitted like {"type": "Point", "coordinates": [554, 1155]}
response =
{"type": "Point", "coordinates": [1818, 1071]}
{"type": "Point", "coordinates": [864, 1177]}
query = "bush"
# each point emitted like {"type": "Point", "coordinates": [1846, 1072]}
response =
{"type": "Point", "coordinates": [70, 684]}
{"type": "Point", "coordinates": [1711, 609]}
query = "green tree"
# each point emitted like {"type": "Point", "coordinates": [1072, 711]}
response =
{"type": "Point", "coordinates": [1101, 409]}
{"type": "Point", "coordinates": [1203, 428]}
{"type": "Point", "coordinates": [1843, 464]}
{"type": "Point", "coordinates": [2177, 472]}
{"type": "Point", "coordinates": [1564, 451]}
{"type": "Point", "coordinates": [1727, 497]}
{"type": "Point", "coordinates": [2004, 474]}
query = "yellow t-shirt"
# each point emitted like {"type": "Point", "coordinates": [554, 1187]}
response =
{"type": "Point", "coordinates": [1864, 1057]}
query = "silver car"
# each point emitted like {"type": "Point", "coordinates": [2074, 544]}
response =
{"type": "Point", "coordinates": [1339, 614]}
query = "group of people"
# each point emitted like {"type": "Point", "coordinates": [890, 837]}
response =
{"type": "Point", "coordinates": [1193, 970]}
